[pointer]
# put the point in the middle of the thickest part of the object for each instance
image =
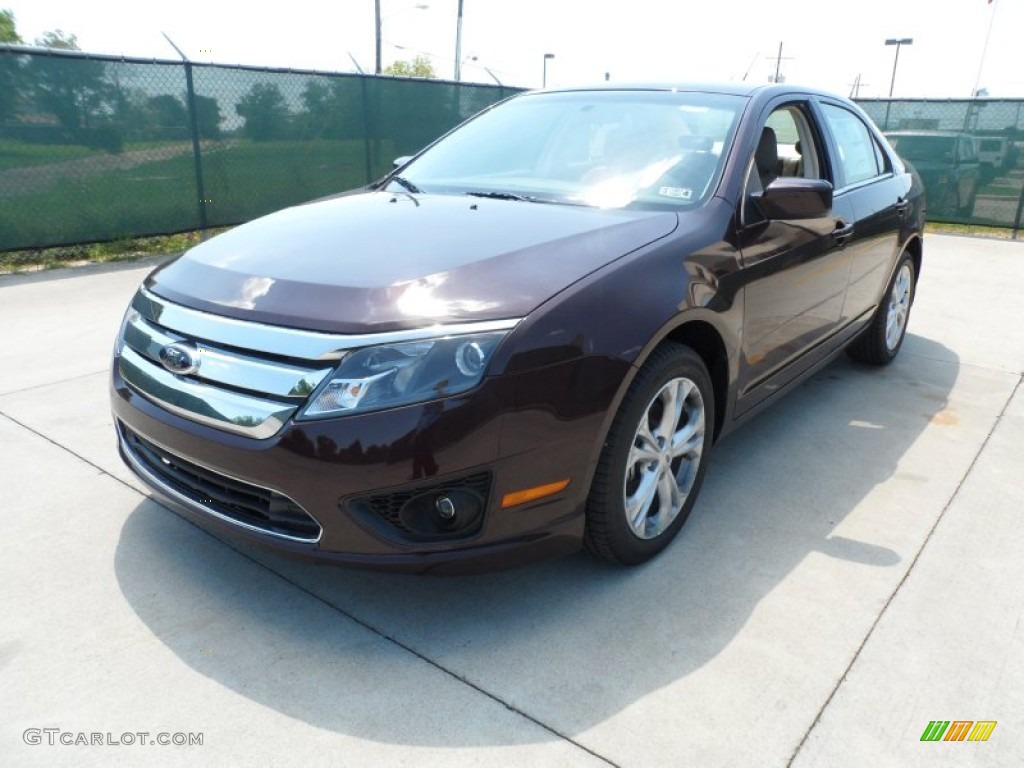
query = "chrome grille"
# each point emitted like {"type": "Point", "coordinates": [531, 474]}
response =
{"type": "Point", "coordinates": [247, 392]}
{"type": "Point", "coordinates": [246, 378]}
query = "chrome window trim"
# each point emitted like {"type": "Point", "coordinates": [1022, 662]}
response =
{"type": "Point", "coordinates": [289, 342]}
{"type": "Point", "coordinates": [226, 367]}
{"type": "Point", "coordinates": [155, 384]}
{"type": "Point", "coordinates": [157, 482]}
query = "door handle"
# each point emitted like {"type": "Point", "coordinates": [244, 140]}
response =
{"type": "Point", "coordinates": [901, 207]}
{"type": "Point", "coordinates": [842, 232]}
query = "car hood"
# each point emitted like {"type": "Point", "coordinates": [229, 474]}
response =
{"type": "Point", "coordinates": [377, 261]}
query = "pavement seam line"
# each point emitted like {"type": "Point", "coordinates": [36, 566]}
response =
{"type": "Point", "coordinates": [354, 619]}
{"type": "Point", "coordinates": [910, 569]}
{"type": "Point", "coordinates": [52, 383]}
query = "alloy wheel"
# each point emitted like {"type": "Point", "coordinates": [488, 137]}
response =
{"type": "Point", "coordinates": [664, 458]}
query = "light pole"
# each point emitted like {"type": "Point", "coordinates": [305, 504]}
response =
{"type": "Point", "coordinates": [546, 57]}
{"type": "Point", "coordinates": [898, 42]}
{"type": "Point", "coordinates": [376, 19]}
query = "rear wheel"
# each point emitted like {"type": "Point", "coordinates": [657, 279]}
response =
{"type": "Point", "coordinates": [653, 461]}
{"type": "Point", "coordinates": [882, 339]}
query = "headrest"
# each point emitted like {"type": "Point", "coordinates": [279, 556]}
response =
{"type": "Point", "coordinates": [767, 155]}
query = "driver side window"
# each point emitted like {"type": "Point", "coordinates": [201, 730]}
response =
{"type": "Point", "coordinates": [786, 147]}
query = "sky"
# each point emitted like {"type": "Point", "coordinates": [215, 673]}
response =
{"type": "Point", "coordinates": [825, 44]}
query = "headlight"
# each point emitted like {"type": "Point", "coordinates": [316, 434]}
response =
{"type": "Point", "coordinates": [398, 374]}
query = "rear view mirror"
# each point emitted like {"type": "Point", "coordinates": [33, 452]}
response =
{"type": "Point", "coordinates": [795, 198]}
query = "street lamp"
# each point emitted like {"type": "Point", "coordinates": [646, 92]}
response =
{"type": "Point", "coordinates": [897, 41]}
{"type": "Point", "coordinates": [546, 57]}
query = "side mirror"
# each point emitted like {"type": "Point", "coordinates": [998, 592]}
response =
{"type": "Point", "coordinates": [795, 198]}
{"type": "Point", "coordinates": [400, 161]}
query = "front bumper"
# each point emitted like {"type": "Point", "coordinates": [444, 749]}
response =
{"type": "Point", "coordinates": [327, 469]}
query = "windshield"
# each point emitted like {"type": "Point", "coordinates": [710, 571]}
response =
{"type": "Point", "coordinates": [924, 147]}
{"type": "Point", "coordinates": [608, 149]}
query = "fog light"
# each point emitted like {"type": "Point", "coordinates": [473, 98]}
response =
{"type": "Point", "coordinates": [445, 507]}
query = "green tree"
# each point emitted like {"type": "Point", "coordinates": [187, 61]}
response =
{"type": "Point", "coordinates": [8, 29]}
{"type": "Point", "coordinates": [418, 67]}
{"type": "Point", "coordinates": [59, 39]}
{"type": "Point", "coordinates": [332, 110]}
{"type": "Point", "coordinates": [167, 111]}
{"type": "Point", "coordinates": [10, 67]}
{"type": "Point", "coordinates": [208, 117]}
{"type": "Point", "coordinates": [73, 90]}
{"type": "Point", "coordinates": [265, 112]}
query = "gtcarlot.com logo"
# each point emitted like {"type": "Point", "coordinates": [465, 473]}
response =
{"type": "Point", "coordinates": [58, 736]}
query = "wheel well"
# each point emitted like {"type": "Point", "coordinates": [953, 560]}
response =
{"type": "Point", "coordinates": [703, 339]}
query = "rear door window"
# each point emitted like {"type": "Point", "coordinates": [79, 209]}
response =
{"type": "Point", "coordinates": [860, 157]}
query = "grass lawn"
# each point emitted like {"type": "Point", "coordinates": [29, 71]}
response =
{"type": "Point", "coordinates": [243, 180]}
{"type": "Point", "coordinates": [17, 154]}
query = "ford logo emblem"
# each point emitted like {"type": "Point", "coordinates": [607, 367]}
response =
{"type": "Point", "coordinates": [180, 359]}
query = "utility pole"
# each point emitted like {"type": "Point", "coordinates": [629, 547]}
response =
{"type": "Point", "coordinates": [778, 58]}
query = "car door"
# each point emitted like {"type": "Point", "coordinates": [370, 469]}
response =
{"type": "Point", "coordinates": [796, 270]}
{"type": "Point", "coordinates": [869, 187]}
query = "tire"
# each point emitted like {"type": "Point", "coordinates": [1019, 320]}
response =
{"type": "Point", "coordinates": [640, 471]}
{"type": "Point", "coordinates": [968, 208]}
{"type": "Point", "coordinates": [881, 340]}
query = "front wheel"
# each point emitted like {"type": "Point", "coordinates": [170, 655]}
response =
{"type": "Point", "coordinates": [882, 339]}
{"type": "Point", "coordinates": [653, 461]}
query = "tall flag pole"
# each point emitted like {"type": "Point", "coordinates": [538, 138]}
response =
{"type": "Point", "coordinates": [984, 51]}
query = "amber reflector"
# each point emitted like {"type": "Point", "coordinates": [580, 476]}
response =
{"type": "Point", "coordinates": [532, 494]}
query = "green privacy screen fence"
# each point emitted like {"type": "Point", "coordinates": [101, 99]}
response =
{"type": "Point", "coordinates": [100, 148]}
{"type": "Point", "coordinates": [969, 152]}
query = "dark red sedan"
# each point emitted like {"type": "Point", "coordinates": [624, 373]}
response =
{"type": "Point", "coordinates": [526, 338]}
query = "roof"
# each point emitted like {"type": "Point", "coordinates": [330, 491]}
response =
{"type": "Point", "coordinates": [732, 88]}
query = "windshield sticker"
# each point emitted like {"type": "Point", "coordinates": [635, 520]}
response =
{"type": "Point", "coordinates": [679, 193]}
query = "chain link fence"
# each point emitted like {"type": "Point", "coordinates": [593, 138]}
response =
{"type": "Point", "coordinates": [969, 152]}
{"type": "Point", "coordinates": [99, 148]}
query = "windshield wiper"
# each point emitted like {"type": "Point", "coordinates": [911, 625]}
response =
{"type": "Point", "coordinates": [406, 184]}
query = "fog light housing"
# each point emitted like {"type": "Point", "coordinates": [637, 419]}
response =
{"type": "Point", "coordinates": [451, 513]}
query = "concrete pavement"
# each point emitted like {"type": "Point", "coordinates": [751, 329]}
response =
{"type": "Point", "coordinates": [851, 572]}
